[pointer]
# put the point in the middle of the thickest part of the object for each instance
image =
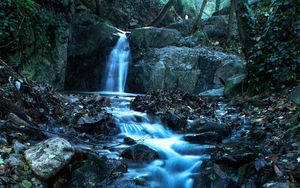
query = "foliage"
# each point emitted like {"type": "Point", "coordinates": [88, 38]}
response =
{"type": "Point", "coordinates": [274, 61]}
{"type": "Point", "coordinates": [26, 28]}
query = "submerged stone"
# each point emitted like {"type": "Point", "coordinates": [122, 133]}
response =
{"type": "Point", "coordinates": [140, 153]}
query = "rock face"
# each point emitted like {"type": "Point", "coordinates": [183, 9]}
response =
{"type": "Point", "coordinates": [128, 14]}
{"type": "Point", "coordinates": [140, 153]}
{"type": "Point", "coordinates": [152, 37]}
{"type": "Point", "coordinates": [216, 27]}
{"type": "Point", "coordinates": [192, 70]}
{"type": "Point", "coordinates": [48, 157]}
{"type": "Point", "coordinates": [90, 45]}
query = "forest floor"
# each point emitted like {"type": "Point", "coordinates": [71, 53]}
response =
{"type": "Point", "coordinates": [260, 145]}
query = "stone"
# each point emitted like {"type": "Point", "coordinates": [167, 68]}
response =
{"type": "Point", "coordinates": [216, 27]}
{"type": "Point", "coordinates": [49, 157]}
{"type": "Point", "coordinates": [19, 147]}
{"type": "Point", "coordinates": [192, 70]}
{"type": "Point", "coordinates": [153, 37]}
{"type": "Point", "coordinates": [203, 138]}
{"type": "Point", "coordinates": [15, 160]}
{"type": "Point", "coordinates": [92, 172]}
{"type": "Point", "coordinates": [278, 185]}
{"type": "Point", "coordinates": [129, 141]}
{"type": "Point", "coordinates": [174, 121]}
{"type": "Point", "coordinates": [213, 93]}
{"type": "Point", "coordinates": [140, 153]}
{"type": "Point", "coordinates": [234, 85]}
{"type": "Point", "coordinates": [295, 95]}
{"type": "Point", "coordinates": [206, 125]}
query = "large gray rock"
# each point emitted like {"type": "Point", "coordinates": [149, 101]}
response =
{"type": "Point", "coordinates": [216, 27]}
{"type": "Point", "coordinates": [90, 45]}
{"type": "Point", "coordinates": [192, 70]}
{"type": "Point", "coordinates": [48, 157]}
{"type": "Point", "coordinates": [153, 37]}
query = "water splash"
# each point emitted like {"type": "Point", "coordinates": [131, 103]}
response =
{"type": "Point", "coordinates": [117, 66]}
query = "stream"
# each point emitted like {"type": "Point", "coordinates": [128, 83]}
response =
{"type": "Point", "coordinates": [176, 167]}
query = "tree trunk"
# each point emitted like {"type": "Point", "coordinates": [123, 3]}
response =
{"type": "Point", "coordinates": [163, 13]}
{"type": "Point", "coordinates": [230, 20]}
{"type": "Point", "coordinates": [218, 4]}
{"type": "Point", "coordinates": [242, 23]}
{"type": "Point", "coordinates": [198, 19]}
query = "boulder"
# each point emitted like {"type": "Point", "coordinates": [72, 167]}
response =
{"type": "Point", "coordinates": [153, 37]}
{"type": "Point", "coordinates": [234, 85]}
{"type": "Point", "coordinates": [216, 27]}
{"type": "Point", "coordinates": [203, 138]}
{"type": "Point", "coordinates": [90, 45]}
{"type": "Point", "coordinates": [191, 70]}
{"type": "Point", "coordinates": [48, 157]}
{"type": "Point", "coordinates": [140, 153]}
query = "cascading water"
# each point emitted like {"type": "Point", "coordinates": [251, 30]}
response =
{"type": "Point", "coordinates": [176, 168]}
{"type": "Point", "coordinates": [177, 165]}
{"type": "Point", "coordinates": [117, 66]}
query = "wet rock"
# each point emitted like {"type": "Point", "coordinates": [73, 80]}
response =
{"type": "Point", "coordinates": [278, 185]}
{"type": "Point", "coordinates": [48, 157]}
{"type": "Point", "coordinates": [129, 141]}
{"type": "Point", "coordinates": [213, 93]}
{"type": "Point", "coordinates": [191, 70]}
{"type": "Point", "coordinates": [207, 125]}
{"type": "Point", "coordinates": [153, 37]}
{"type": "Point", "coordinates": [140, 153]}
{"type": "Point", "coordinates": [235, 160]}
{"type": "Point", "coordinates": [174, 121]}
{"type": "Point", "coordinates": [203, 138]}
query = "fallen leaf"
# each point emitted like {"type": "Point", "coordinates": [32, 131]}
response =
{"type": "Point", "coordinates": [26, 184]}
{"type": "Point", "coordinates": [277, 170]}
{"type": "Point", "coordinates": [290, 166]}
{"type": "Point", "coordinates": [219, 172]}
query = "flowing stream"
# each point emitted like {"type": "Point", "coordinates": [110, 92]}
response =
{"type": "Point", "coordinates": [179, 160]}
{"type": "Point", "coordinates": [177, 166]}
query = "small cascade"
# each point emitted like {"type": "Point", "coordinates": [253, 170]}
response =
{"type": "Point", "coordinates": [176, 168]}
{"type": "Point", "coordinates": [117, 66]}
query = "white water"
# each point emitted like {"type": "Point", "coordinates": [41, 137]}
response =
{"type": "Point", "coordinates": [117, 66]}
{"type": "Point", "coordinates": [174, 169]}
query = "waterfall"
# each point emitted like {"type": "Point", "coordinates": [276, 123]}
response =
{"type": "Point", "coordinates": [117, 66]}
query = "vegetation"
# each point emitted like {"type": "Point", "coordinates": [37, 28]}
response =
{"type": "Point", "coordinates": [274, 50]}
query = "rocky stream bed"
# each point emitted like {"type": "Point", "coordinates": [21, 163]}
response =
{"type": "Point", "coordinates": [52, 139]}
